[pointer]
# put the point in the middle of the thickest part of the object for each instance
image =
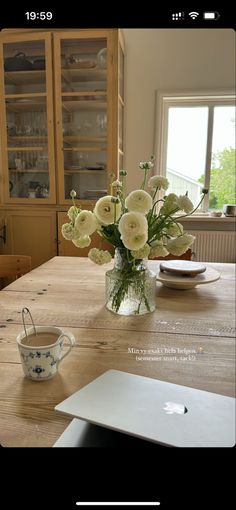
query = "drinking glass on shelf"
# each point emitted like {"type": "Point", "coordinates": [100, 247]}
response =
{"type": "Point", "coordinates": [101, 122]}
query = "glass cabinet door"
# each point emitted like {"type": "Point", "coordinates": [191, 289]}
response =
{"type": "Point", "coordinates": [82, 114]}
{"type": "Point", "coordinates": [27, 118]}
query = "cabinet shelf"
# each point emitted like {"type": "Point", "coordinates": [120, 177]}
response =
{"type": "Point", "coordinates": [95, 93]}
{"type": "Point", "coordinates": [26, 138]}
{"type": "Point", "coordinates": [71, 106]}
{"type": "Point", "coordinates": [84, 139]}
{"type": "Point", "coordinates": [24, 107]}
{"type": "Point", "coordinates": [29, 171]}
{"type": "Point", "coordinates": [25, 77]}
{"type": "Point", "coordinates": [84, 171]}
{"type": "Point", "coordinates": [84, 149]}
{"type": "Point", "coordinates": [30, 95]}
{"type": "Point", "coordinates": [35, 148]}
{"type": "Point", "coordinates": [72, 75]}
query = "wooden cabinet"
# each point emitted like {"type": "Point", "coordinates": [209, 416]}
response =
{"type": "Point", "coordinates": [87, 109]}
{"type": "Point", "coordinates": [61, 115]}
{"type": "Point", "coordinates": [30, 232]}
{"type": "Point", "coordinates": [27, 132]}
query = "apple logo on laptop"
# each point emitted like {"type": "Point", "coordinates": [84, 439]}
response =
{"type": "Point", "coordinates": [174, 408]}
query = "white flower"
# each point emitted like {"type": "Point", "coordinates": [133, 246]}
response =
{"type": "Point", "coordinates": [132, 223]}
{"type": "Point", "coordinates": [175, 229]}
{"type": "Point", "coordinates": [158, 250]}
{"type": "Point", "coordinates": [117, 184]}
{"type": "Point", "coordinates": [146, 165]}
{"type": "Point", "coordinates": [135, 242]}
{"type": "Point", "coordinates": [105, 210]}
{"type": "Point", "coordinates": [185, 204]}
{"type": "Point", "coordinates": [73, 212]}
{"type": "Point", "coordinates": [157, 181]}
{"type": "Point", "coordinates": [99, 256]}
{"type": "Point", "coordinates": [180, 245]}
{"type": "Point", "coordinates": [142, 253]}
{"type": "Point", "coordinates": [85, 223]}
{"type": "Point", "coordinates": [82, 241]}
{"type": "Point", "coordinates": [139, 201]}
{"type": "Point", "coordinates": [170, 204]}
{"type": "Point", "coordinates": [68, 231]}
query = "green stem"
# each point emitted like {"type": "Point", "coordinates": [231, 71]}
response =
{"type": "Point", "coordinates": [144, 179]}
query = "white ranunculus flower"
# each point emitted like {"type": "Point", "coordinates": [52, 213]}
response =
{"type": "Point", "coordinates": [170, 204]}
{"type": "Point", "coordinates": [139, 201]}
{"type": "Point", "coordinates": [185, 204]}
{"type": "Point", "coordinates": [157, 181]}
{"type": "Point", "coordinates": [175, 229]}
{"type": "Point", "coordinates": [105, 210]}
{"type": "Point", "coordinates": [68, 231]}
{"type": "Point", "coordinates": [158, 249]}
{"type": "Point", "coordinates": [85, 223]}
{"type": "Point", "coordinates": [99, 256]}
{"type": "Point", "coordinates": [142, 253]}
{"type": "Point", "coordinates": [117, 184]}
{"type": "Point", "coordinates": [82, 241]}
{"type": "Point", "coordinates": [132, 223]}
{"type": "Point", "coordinates": [73, 212]}
{"type": "Point", "coordinates": [135, 242]}
{"type": "Point", "coordinates": [180, 245]}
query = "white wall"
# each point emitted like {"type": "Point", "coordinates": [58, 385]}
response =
{"type": "Point", "coordinates": [168, 59]}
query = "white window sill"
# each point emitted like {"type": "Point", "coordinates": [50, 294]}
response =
{"type": "Point", "coordinates": [208, 217]}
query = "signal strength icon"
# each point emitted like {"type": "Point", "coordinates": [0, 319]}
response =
{"type": "Point", "coordinates": [193, 14]}
{"type": "Point", "coordinates": [177, 16]}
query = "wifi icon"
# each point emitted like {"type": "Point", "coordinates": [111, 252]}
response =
{"type": "Point", "coordinates": [193, 14]}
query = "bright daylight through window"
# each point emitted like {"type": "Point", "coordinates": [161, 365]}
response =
{"type": "Point", "coordinates": [199, 148]}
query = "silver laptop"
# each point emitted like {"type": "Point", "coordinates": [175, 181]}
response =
{"type": "Point", "coordinates": [154, 410]}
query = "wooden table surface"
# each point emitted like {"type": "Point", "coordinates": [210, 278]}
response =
{"type": "Point", "coordinates": [188, 340]}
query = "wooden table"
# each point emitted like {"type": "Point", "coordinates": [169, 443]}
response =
{"type": "Point", "coordinates": [188, 340]}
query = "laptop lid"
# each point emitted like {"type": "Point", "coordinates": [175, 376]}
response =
{"type": "Point", "coordinates": [155, 410]}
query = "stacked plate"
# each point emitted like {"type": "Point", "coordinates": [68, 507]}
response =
{"type": "Point", "coordinates": [185, 274]}
{"type": "Point", "coordinates": [94, 194]}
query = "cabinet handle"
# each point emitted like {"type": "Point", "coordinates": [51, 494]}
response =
{"type": "Point", "coordinates": [4, 233]}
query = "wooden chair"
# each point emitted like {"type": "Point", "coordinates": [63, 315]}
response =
{"type": "Point", "coordinates": [14, 266]}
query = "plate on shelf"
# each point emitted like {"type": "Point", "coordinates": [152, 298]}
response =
{"type": "Point", "coordinates": [185, 282]}
{"type": "Point", "coordinates": [94, 167]}
{"type": "Point", "coordinates": [85, 64]}
{"type": "Point", "coordinates": [183, 267]}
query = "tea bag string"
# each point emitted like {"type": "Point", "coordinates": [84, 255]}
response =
{"type": "Point", "coordinates": [24, 312]}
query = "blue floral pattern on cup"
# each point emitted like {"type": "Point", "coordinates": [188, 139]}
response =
{"type": "Point", "coordinates": [40, 363]}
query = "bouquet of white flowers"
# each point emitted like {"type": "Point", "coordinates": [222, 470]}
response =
{"type": "Point", "coordinates": [133, 224]}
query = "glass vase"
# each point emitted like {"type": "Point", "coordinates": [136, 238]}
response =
{"type": "Point", "coordinates": [130, 286]}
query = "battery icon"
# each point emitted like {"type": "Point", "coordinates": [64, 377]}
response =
{"type": "Point", "coordinates": [211, 15]}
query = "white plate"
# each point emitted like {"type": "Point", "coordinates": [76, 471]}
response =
{"type": "Point", "coordinates": [184, 267]}
{"type": "Point", "coordinates": [185, 282]}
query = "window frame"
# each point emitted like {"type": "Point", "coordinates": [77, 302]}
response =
{"type": "Point", "coordinates": [167, 99]}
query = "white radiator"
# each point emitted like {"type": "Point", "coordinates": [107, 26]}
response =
{"type": "Point", "coordinates": [214, 246]}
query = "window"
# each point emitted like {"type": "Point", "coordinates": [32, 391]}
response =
{"type": "Point", "coordinates": [197, 146]}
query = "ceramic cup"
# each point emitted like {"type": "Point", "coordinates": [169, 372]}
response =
{"type": "Point", "coordinates": [41, 354]}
